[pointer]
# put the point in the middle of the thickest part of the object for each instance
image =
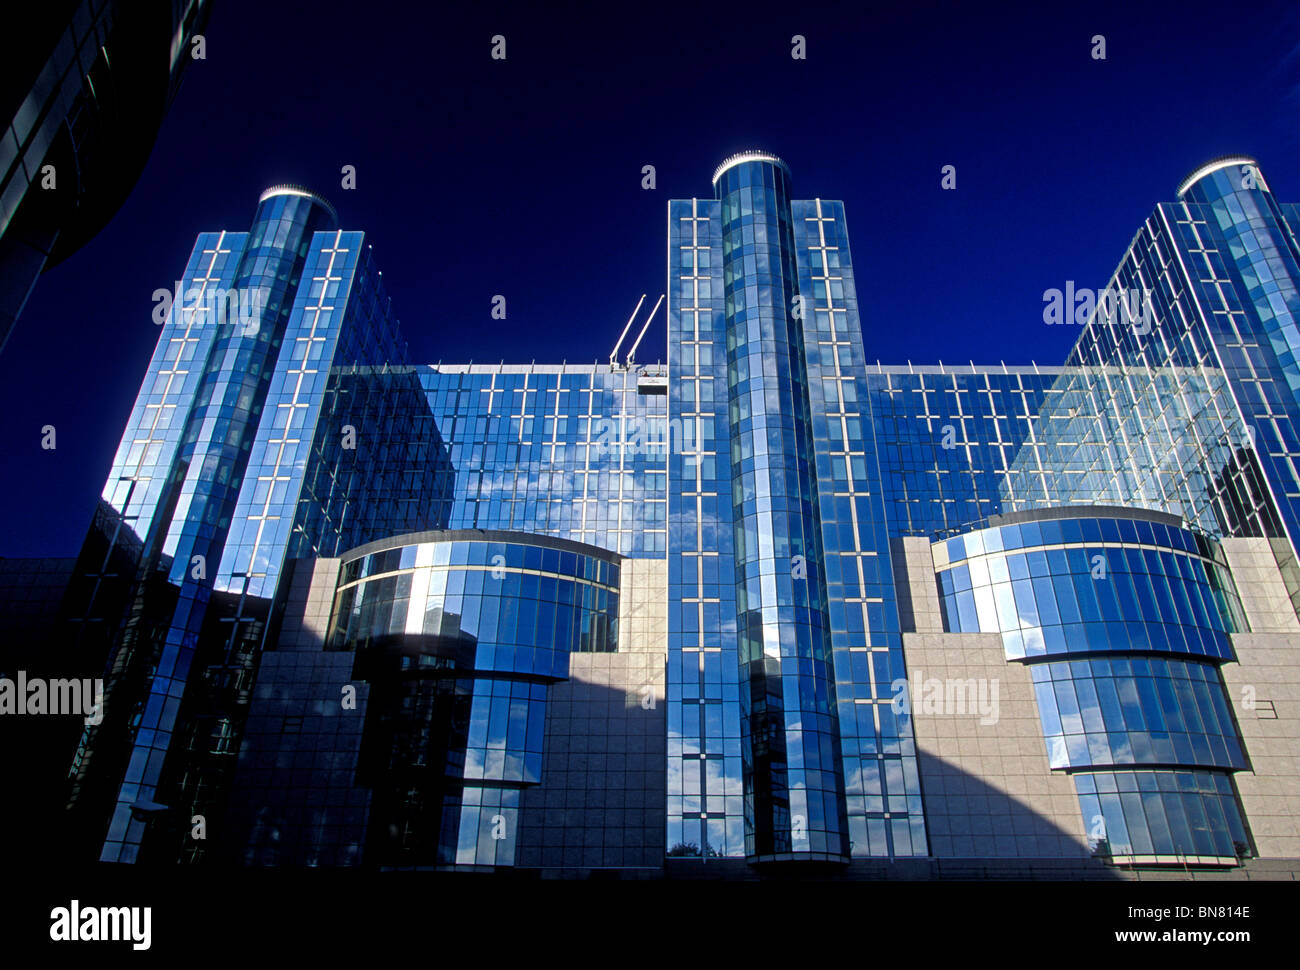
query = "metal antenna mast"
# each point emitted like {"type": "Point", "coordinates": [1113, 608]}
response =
{"type": "Point", "coordinates": [631, 354]}
{"type": "Point", "coordinates": [614, 355]}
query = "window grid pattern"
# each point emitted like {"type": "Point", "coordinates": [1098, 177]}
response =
{"type": "Point", "coordinates": [705, 784]}
{"type": "Point", "coordinates": [947, 437]}
{"type": "Point", "coordinates": [1154, 710]}
{"type": "Point", "coordinates": [378, 466]}
{"type": "Point", "coordinates": [521, 608]}
{"type": "Point", "coordinates": [882, 784]}
{"type": "Point", "coordinates": [1163, 816]}
{"type": "Point", "coordinates": [1148, 418]}
{"type": "Point", "coordinates": [1195, 410]}
{"type": "Point", "coordinates": [573, 452]}
{"type": "Point", "coordinates": [1081, 585]}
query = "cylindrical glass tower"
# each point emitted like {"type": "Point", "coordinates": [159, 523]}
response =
{"type": "Point", "coordinates": [794, 795]}
{"type": "Point", "coordinates": [1260, 248]}
{"type": "Point", "coordinates": [1249, 241]}
{"type": "Point", "coordinates": [249, 322]}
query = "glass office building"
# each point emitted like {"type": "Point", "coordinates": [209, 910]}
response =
{"type": "Point", "coordinates": [763, 605]}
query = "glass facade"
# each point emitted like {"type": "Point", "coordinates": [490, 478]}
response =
{"type": "Point", "coordinates": [1148, 813]}
{"type": "Point", "coordinates": [949, 438]}
{"type": "Point", "coordinates": [789, 738]}
{"type": "Point", "coordinates": [881, 778]}
{"type": "Point", "coordinates": [575, 452]}
{"type": "Point", "coordinates": [706, 811]}
{"type": "Point", "coordinates": [546, 602]}
{"type": "Point", "coordinates": [1039, 584]}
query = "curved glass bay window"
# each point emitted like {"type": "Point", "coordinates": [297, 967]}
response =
{"type": "Point", "coordinates": [458, 634]}
{"type": "Point", "coordinates": [526, 602]}
{"type": "Point", "coordinates": [1124, 617]}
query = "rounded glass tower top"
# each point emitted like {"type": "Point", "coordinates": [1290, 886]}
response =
{"type": "Point", "coordinates": [751, 155]}
{"type": "Point", "coordinates": [290, 189]}
{"type": "Point", "coordinates": [1245, 168]}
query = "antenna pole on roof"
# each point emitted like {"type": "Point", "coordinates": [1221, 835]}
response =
{"type": "Point", "coordinates": [613, 357]}
{"type": "Point", "coordinates": [631, 354]}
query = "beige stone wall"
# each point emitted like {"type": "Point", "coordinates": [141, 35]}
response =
{"type": "Point", "coordinates": [922, 591]}
{"type": "Point", "coordinates": [988, 789]}
{"type": "Point", "coordinates": [1264, 687]}
{"type": "Point", "coordinates": [1261, 587]}
{"type": "Point", "coordinates": [643, 607]}
{"type": "Point", "coordinates": [310, 601]}
{"type": "Point", "coordinates": [603, 794]}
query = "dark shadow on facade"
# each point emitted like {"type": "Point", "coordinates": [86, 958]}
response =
{"type": "Point", "coordinates": [986, 818]}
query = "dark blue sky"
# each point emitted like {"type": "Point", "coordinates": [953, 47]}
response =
{"type": "Point", "coordinates": [523, 177]}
